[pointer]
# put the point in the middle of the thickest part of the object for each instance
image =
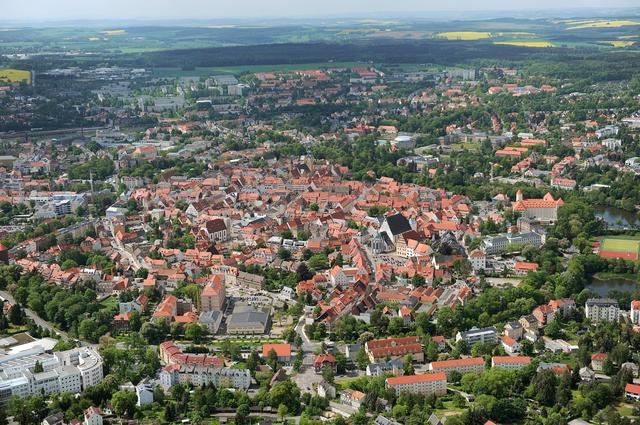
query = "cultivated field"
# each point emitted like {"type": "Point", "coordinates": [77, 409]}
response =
{"type": "Point", "coordinates": [598, 23]}
{"type": "Point", "coordinates": [526, 43]}
{"type": "Point", "coordinates": [14, 76]}
{"type": "Point", "coordinates": [464, 35]}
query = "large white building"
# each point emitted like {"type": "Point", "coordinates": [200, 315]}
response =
{"type": "Point", "coordinates": [602, 310]}
{"type": "Point", "coordinates": [66, 371]}
{"type": "Point", "coordinates": [483, 335]}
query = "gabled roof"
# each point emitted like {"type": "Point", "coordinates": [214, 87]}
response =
{"type": "Point", "coordinates": [398, 224]}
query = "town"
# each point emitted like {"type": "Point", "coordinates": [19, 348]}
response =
{"type": "Point", "coordinates": [336, 243]}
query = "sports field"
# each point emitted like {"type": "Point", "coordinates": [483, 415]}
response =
{"type": "Point", "coordinates": [620, 247]}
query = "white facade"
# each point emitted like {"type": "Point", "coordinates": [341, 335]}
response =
{"type": "Point", "coordinates": [67, 371]}
{"type": "Point", "coordinates": [602, 310]}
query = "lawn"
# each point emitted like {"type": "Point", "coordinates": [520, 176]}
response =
{"type": "Point", "coordinates": [15, 76]}
{"type": "Point", "coordinates": [110, 302]}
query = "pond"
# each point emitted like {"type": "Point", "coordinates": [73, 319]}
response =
{"type": "Point", "coordinates": [603, 287]}
{"type": "Point", "coordinates": [617, 218]}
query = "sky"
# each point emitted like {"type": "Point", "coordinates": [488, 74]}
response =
{"type": "Point", "coordinates": [60, 10]}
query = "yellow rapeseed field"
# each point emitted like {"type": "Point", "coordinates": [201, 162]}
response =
{"type": "Point", "coordinates": [15, 76]}
{"type": "Point", "coordinates": [620, 43]}
{"type": "Point", "coordinates": [600, 24]}
{"type": "Point", "coordinates": [114, 32]}
{"type": "Point", "coordinates": [464, 35]}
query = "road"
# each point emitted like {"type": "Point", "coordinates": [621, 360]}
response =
{"type": "Point", "coordinates": [118, 246]}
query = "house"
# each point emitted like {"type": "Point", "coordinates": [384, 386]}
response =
{"type": "Point", "coordinates": [92, 416]}
{"type": "Point", "coordinates": [478, 259]}
{"type": "Point", "coordinates": [510, 345]}
{"type": "Point", "coordinates": [522, 267]}
{"type": "Point", "coordinates": [144, 391]}
{"type": "Point", "coordinates": [510, 362]}
{"type": "Point", "coordinates": [544, 314]}
{"type": "Point", "coordinates": [55, 419]}
{"type": "Point", "coordinates": [632, 392]}
{"type": "Point", "coordinates": [326, 390]}
{"type": "Point", "coordinates": [383, 420]}
{"type": "Point", "coordinates": [597, 361]}
{"type": "Point", "coordinates": [440, 340]}
{"type": "Point", "coordinates": [283, 351]}
{"type": "Point", "coordinates": [513, 330]}
{"type": "Point", "coordinates": [323, 361]}
{"type": "Point", "coordinates": [635, 312]}
{"type": "Point", "coordinates": [631, 367]}
{"type": "Point", "coordinates": [586, 374]}
{"type": "Point", "coordinates": [394, 367]}
{"type": "Point", "coordinates": [424, 384]}
{"type": "Point", "coordinates": [352, 398]}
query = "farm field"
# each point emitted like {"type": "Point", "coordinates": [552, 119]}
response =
{"type": "Point", "coordinates": [464, 35]}
{"type": "Point", "coordinates": [526, 43]}
{"type": "Point", "coordinates": [14, 76]}
{"type": "Point", "coordinates": [597, 23]}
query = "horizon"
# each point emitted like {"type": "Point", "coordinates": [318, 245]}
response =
{"type": "Point", "coordinates": [75, 12]}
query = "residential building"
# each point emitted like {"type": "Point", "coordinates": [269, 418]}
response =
{"type": "Point", "coordinates": [597, 361]}
{"type": "Point", "coordinates": [213, 295]}
{"type": "Point", "coordinates": [324, 361]}
{"type": "Point", "coordinates": [602, 310]}
{"type": "Point", "coordinates": [352, 398]}
{"type": "Point", "coordinates": [92, 416]}
{"type": "Point", "coordinates": [632, 392]}
{"type": "Point", "coordinates": [470, 364]}
{"type": "Point", "coordinates": [424, 384]}
{"type": "Point", "coordinates": [510, 362]}
{"type": "Point", "coordinates": [634, 314]}
{"type": "Point", "coordinates": [381, 349]}
{"type": "Point", "coordinates": [483, 335]}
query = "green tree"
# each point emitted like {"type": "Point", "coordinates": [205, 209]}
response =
{"type": "Point", "coordinates": [124, 403]}
{"type": "Point", "coordinates": [362, 359]}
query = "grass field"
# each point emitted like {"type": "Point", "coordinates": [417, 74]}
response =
{"type": "Point", "coordinates": [620, 245]}
{"type": "Point", "coordinates": [464, 35]}
{"type": "Point", "coordinates": [15, 76]}
{"type": "Point", "coordinates": [526, 43]}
